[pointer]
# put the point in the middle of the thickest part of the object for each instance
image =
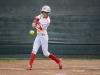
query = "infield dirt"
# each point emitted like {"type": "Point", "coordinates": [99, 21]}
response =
{"type": "Point", "coordinates": [49, 67]}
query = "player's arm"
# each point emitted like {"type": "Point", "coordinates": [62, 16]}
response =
{"type": "Point", "coordinates": [34, 22]}
{"type": "Point", "coordinates": [34, 26]}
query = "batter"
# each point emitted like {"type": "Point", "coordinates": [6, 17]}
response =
{"type": "Point", "coordinates": [42, 22]}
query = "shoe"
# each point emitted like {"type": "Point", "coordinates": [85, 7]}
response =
{"type": "Point", "coordinates": [60, 63]}
{"type": "Point", "coordinates": [29, 67]}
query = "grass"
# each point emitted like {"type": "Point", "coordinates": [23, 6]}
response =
{"type": "Point", "coordinates": [48, 59]}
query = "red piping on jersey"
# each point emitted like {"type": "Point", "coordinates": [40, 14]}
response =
{"type": "Point", "coordinates": [36, 20]}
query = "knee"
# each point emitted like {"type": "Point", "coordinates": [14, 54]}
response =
{"type": "Point", "coordinates": [47, 54]}
{"type": "Point", "coordinates": [34, 51]}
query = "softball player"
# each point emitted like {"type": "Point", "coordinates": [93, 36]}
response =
{"type": "Point", "coordinates": [41, 22]}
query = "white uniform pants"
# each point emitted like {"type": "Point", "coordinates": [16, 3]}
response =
{"type": "Point", "coordinates": [41, 40]}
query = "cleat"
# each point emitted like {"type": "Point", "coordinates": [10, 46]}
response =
{"type": "Point", "coordinates": [60, 63]}
{"type": "Point", "coordinates": [29, 68]}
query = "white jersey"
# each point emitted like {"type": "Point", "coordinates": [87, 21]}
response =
{"type": "Point", "coordinates": [43, 23]}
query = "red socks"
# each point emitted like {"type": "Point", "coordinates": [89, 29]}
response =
{"type": "Point", "coordinates": [53, 57]}
{"type": "Point", "coordinates": [32, 57]}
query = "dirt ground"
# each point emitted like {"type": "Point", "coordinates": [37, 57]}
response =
{"type": "Point", "coordinates": [49, 67]}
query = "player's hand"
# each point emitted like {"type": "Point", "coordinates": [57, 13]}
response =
{"type": "Point", "coordinates": [34, 25]}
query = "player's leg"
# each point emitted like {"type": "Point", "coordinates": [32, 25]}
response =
{"type": "Point", "coordinates": [36, 46]}
{"type": "Point", "coordinates": [44, 43]}
{"type": "Point", "coordinates": [58, 61]}
{"type": "Point", "coordinates": [32, 57]}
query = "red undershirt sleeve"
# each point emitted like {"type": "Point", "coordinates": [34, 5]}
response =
{"type": "Point", "coordinates": [36, 20]}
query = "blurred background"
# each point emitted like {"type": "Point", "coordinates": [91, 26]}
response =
{"type": "Point", "coordinates": [74, 31]}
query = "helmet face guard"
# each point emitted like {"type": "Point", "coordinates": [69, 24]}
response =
{"type": "Point", "coordinates": [46, 9]}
